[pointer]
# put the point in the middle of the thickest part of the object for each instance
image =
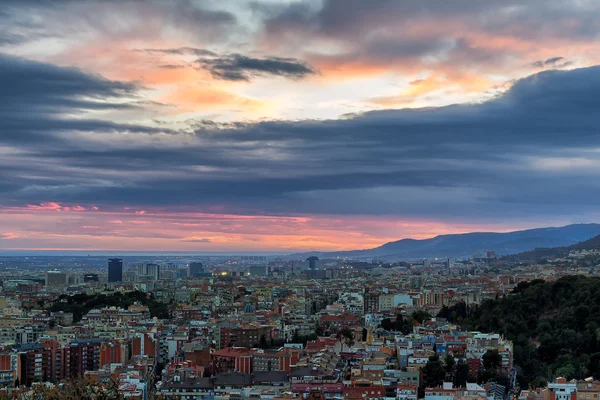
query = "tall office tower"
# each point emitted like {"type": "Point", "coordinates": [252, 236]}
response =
{"type": "Point", "coordinates": [115, 270]}
{"type": "Point", "coordinates": [312, 265]}
{"type": "Point", "coordinates": [196, 268]}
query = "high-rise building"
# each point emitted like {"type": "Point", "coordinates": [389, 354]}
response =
{"type": "Point", "coordinates": [33, 361]}
{"type": "Point", "coordinates": [147, 272]}
{"type": "Point", "coordinates": [196, 269]}
{"type": "Point", "coordinates": [312, 267]}
{"type": "Point", "coordinates": [371, 302]}
{"type": "Point", "coordinates": [56, 278]}
{"type": "Point", "coordinates": [115, 270]}
{"type": "Point", "coordinates": [84, 356]}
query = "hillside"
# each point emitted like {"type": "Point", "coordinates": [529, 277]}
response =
{"type": "Point", "coordinates": [554, 326]}
{"type": "Point", "coordinates": [464, 245]}
{"type": "Point", "coordinates": [542, 254]}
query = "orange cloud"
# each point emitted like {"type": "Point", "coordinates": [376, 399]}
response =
{"type": "Point", "coordinates": [161, 75]}
{"type": "Point", "coordinates": [196, 98]}
{"type": "Point", "coordinates": [423, 86]}
{"type": "Point", "coordinates": [443, 81]}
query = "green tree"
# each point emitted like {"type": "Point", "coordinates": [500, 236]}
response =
{"type": "Point", "coordinates": [263, 342]}
{"type": "Point", "coordinates": [319, 331]}
{"type": "Point", "coordinates": [492, 360]}
{"type": "Point", "coordinates": [461, 377]}
{"type": "Point", "coordinates": [387, 324]}
{"type": "Point", "coordinates": [403, 325]}
{"type": "Point", "coordinates": [348, 336]}
{"type": "Point", "coordinates": [434, 372]}
{"type": "Point", "coordinates": [449, 364]}
{"type": "Point", "coordinates": [421, 316]}
{"type": "Point", "coordinates": [566, 371]}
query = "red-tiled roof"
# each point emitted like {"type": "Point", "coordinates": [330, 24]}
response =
{"type": "Point", "coordinates": [231, 352]}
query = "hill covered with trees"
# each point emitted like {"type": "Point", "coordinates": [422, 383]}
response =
{"type": "Point", "coordinates": [555, 327]}
{"type": "Point", "coordinates": [81, 303]}
{"type": "Point", "coordinates": [543, 254]}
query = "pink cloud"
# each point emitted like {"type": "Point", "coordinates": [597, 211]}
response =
{"type": "Point", "coordinates": [45, 207]}
{"type": "Point", "coordinates": [52, 206]}
{"type": "Point", "coordinates": [189, 230]}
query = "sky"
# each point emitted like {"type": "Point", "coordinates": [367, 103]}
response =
{"type": "Point", "coordinates": [267, 125]}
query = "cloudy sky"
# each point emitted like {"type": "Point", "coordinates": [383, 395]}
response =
{"type": "Point", "coordinates": [293, 125]}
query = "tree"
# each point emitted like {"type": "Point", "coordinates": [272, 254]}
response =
{"type": "Point", "coordinates": [421, 316]}
{"type": "Point", "coordinates": [461, 376]}
{"type": "Point", "coordinates": [263, 342]}
{"type": "Point", "coordinates": [387, 324]}
{"type": "Point", "coordinates": [348, 336]}
{"type": "Point", "coordinates": [553, 326]}
{"type": "Point", "coordinates": [566, 371]}
{"type": "Point", "coordinates": [434, 372]}
{"type": "Point", "coordinates": [492, 360]}
{"type": "Point", "coordinates": [73, 390]}
{"type": "Point", "coordinates": [319, 330]}
{"type": "Point", "coordinates": [403, 325]}
{"type": "Point", "coordinates": [449, 364]}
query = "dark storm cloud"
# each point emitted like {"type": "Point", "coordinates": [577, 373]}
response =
{"type": "Point", "coordinates": [526, 152]}
{"type": "Point", "coordinates": [40, 86]}
{"type": "Point", "coordinates": [39, 100]}
{"type": "Point", "coordinates": [237, 67]}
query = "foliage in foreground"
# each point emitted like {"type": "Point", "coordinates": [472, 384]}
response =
{"type": "Point", "coordinates": [555, 327]}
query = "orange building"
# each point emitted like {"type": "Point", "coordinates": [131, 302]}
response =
{"type": "Point", "coordinates": [114, 352]}
{"type": "Point", "coordinates": [144, 345]}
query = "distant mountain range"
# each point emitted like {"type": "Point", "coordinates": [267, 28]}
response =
{"type": "Point", "coordinates": [467, 244]}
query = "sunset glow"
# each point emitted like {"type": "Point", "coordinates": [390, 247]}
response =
{"type": "Point", "coordinates": [283, 126]}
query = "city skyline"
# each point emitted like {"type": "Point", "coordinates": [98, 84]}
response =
{"type": "Point", "coordinates": [276, 126]}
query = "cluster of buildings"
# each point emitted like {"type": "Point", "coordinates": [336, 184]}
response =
{"type": "Point", "coordinates": [561, 389]}
{"type": "Point", "coordinates": [252, 328]}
